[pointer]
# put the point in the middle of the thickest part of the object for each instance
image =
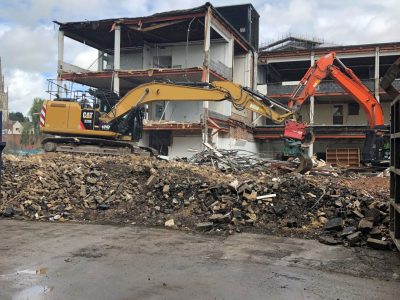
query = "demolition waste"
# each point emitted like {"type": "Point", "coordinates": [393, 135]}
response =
{"type": "Point", "coordinates": [189, 196]}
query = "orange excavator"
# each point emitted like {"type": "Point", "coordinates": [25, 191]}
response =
{"type": "Point", "coordinates": [324, 67]}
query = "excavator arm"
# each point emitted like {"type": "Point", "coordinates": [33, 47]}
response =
{"type": "Point", "coordinates": [241, 98]}
{"type": "Point", "coordinates": [323, 68]}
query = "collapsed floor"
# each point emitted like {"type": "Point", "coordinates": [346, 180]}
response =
{"type": "Point", "coordinates": [142, 190]}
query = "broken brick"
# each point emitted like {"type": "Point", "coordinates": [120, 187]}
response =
{"type": "Point", "coordinates": [151, 180]}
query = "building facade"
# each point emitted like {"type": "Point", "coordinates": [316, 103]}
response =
{"type": "Point", "coordinates": [206, 44]}
{"type": "Point", "coordinates": [194, 45]}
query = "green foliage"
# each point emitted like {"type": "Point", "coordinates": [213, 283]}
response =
{"type": "Point", "coordinates": [34, 114]}
{"type": "Point", "coordinates": [17, 116]}
{"type": "Point", "coordinates": [26, 133]}
{"type": "Point", "coordinates": [31, 124]}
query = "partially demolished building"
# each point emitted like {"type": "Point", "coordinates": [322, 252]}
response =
{"type": "Point", "coordinates": [337, 119]}
{"type": "Point", "coordinates": [210, 43]}
{"type": "Point", "coordinates": [191, 45]}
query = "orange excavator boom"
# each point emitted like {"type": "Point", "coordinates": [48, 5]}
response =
{"type": "Point", "coordinates": [323, 68]}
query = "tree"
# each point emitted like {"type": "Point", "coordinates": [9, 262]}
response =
{"type": "Point", "coordinates": [17, 116]}
{"type": "Point", "coordinates": [34, 113]}
{"type": "Point", "coordinates": [26, 133]}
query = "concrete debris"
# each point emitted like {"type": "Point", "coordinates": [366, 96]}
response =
{"type": "Point", "coordinates": [8, 212]}
{"type": "Point", "coordinates": [229, 160]}
{"type": "Point", "coordinates": [329, 240]}
{"type": "Point", "coordinates": [131, 189]}
{"type": "Point", "coordinates": [266, 196]}
{"type": "Point", "coordinates": [354, 238]}
{"type": "Point", "coordinates": [348, 230]}
{"type": "Point", "coordinates": [205, 226]}
{"type": "Point", "coordinates": [377, 244]}
{"type": "Point", "coordinates": [151, 181]}
{"type": "Point", "coordinates": [169, 223]}
{"type": "Point", "coordinates": [365, 226]}
{"type": "Point", "coordinates": [334, 224]}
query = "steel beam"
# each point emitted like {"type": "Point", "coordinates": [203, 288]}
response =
{"type": "Point", "coordinates": [311, 147]}
{"type": "Point", "coordinates": [117, 57]}
{"type": "Point", "coordinates": [206, 68]}
{"type": "Point", "coordinates": [60, 59]}
{"type": "Point", "coordinates": [376, 77]}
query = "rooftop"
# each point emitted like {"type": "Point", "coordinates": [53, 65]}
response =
{"type": "Point", "coordinates": [165, 27]}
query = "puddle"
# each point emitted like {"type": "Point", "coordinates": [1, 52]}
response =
{"type": "Point", "coordinates": [36, 292]}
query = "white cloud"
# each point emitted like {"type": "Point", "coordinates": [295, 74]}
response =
{"type": "Point", "coordinates": [340, 21]}
{"type": "Point", "coordinates": [28, 49]}
{"type": "Point", "coordinates": [23, 87]}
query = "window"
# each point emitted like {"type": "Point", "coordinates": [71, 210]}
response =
{"type": "Point", "coordinates": [162, 61]}
{"type": "Point", "coordinates": [159, 109]}
{"type": "Point", "coordinates": [354, 109]}
{"type": "Point", "coordinates": [338, 115]}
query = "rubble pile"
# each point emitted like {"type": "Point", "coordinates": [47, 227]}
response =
{"type": "Point", "coordinates": [142, 190]}
{"type": "Point", "coordinates": [229, 160]}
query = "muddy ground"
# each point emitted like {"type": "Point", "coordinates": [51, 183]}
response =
{"type": "Point", "coordinates": [43, 260]}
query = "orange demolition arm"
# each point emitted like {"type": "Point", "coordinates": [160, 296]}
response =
{"type": "Point", "coordinates": [348, 81]}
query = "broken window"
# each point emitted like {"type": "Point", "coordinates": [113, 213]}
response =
{"type": "Point", "coordinates": [162, 61]}
{"type": "Point", "coordinates": [159, 109]}
{"type": "Point", "coordinates": [354, 109]}
{"type": "Point", "coordinates": [338, 115]}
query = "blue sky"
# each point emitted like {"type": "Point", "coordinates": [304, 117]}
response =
{"type": "Point", "coordinates": [28, 38]}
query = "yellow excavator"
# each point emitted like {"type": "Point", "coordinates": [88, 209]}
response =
{"type": "Point", "coordinates": [73, 125]}
{"type": "Point", "coordinates": [76, 126]}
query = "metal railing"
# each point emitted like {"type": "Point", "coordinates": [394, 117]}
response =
{"type": "Point", "coordinates": [88, 98]}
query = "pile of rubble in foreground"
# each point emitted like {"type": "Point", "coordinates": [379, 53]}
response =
{"type": "Point", "coordinates": [132, 189]}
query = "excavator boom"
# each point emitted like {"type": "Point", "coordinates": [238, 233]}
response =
{"type": "Point", "coordinates": [216, 91]}
{"type": "Point", "coordinates": [324, 68]}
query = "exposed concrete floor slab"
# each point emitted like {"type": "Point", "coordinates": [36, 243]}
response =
{"type": "Point", "coordinates": [82, 261]}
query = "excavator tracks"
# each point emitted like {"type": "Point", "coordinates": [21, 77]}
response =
{"type": "Point", "coordinates": [93, 146]}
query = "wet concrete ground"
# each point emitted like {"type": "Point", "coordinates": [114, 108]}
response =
{"type": "Point", "coordinates": [81, 261]}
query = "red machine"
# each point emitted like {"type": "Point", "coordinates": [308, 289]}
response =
{"type": "Point", "coordinates": [323, 68]}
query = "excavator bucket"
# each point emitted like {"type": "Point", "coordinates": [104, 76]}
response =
{"type": "Point", "coordinates": [305, 164]}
